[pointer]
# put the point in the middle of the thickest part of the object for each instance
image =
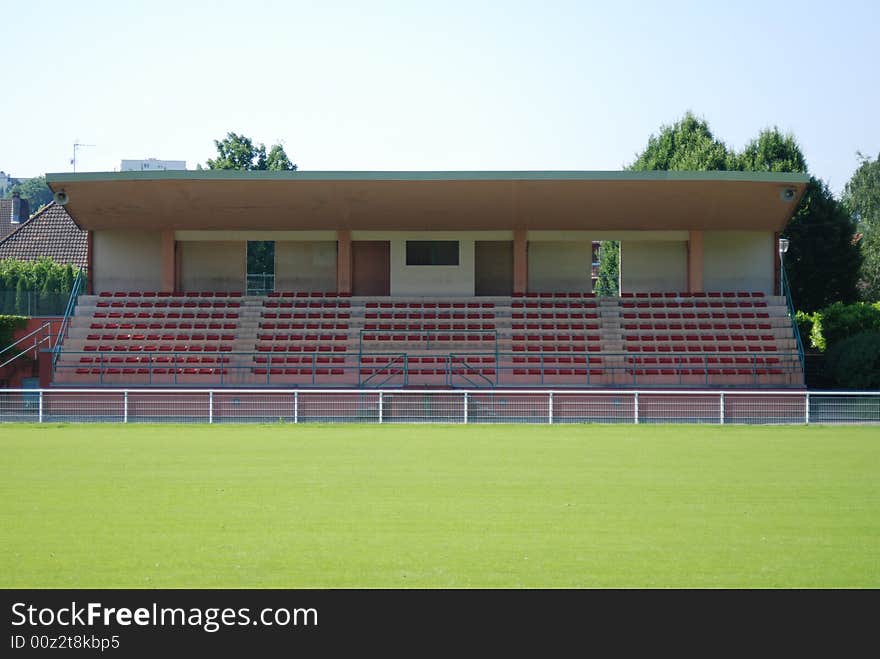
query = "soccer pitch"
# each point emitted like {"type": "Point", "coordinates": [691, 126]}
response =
{"type": "Point", "coordinates": [439, 506]}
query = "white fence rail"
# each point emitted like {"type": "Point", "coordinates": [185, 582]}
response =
{"type": "Point", "coordinates": [436, 406]}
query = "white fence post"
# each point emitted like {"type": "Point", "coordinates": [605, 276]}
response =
{"type": "Point", "coordinates": [296, 407]}
{"type": "Point", "coordinates": [125, 406]}
{"type": "Point", "coordinates": [636, 407]}
{"type": "Point", "coordinates": [40, 406]}
{"type": "Point", "coordinates": [721, 408]}
{"type": "Point", "coordinates": [465, 407]}
{"type": "Point", "coordinates": [550, 410]}
{"type": "Point", "coordinates": [210, 407]}
{"type": "Point", "coordinates": [380, 407]}
{"type": "Point", "coordinates": [807, 409]}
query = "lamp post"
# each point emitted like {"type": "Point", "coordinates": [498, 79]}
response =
{"type": "Point", "coordinates": [783, 248]}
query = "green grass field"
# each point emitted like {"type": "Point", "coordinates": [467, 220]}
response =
{"type": "Point", "coordinates": [439, 506]}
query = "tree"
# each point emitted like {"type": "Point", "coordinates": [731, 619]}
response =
{"type": "Point", "coordinates": [772, 152]}
{"type": "Point", "coordinates": [34, 190]}
{"type": "Point", "coordinates": [861, 198]}
{"type": "Point", "coordinates": [822, 262]}
{"type": "Point", "coordinates": [609, 268]}
{"type": "Point", "coordinates": [686, 145]}
{"type": "Point", "coordinates": [239, 152]}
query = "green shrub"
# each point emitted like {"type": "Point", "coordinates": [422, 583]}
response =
{"type": "Point", "coordinates": [805, 325]}
{"type": "Point", "coordinates": [28, 287]}
{"type": "Point", "coordinates": [8, 325]}
{"type": "Point", "coordinates": [839, 321]}
{"type": "Point", "coordinates": [854, 362]}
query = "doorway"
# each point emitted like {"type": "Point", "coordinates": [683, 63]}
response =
{"type": "Point", "coordinates": [260, 267]}
{"type": "Point", "coordinates": [493, 267]}
{"type": "Point", "coordinates": [371, 267]}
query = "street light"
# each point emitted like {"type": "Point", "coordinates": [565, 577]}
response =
{"type": "Point", "coordinates": [783, 248]}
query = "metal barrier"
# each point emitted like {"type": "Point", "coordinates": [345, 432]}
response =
{"type": "Point", "coordinates": [78, 287]}
{"type": "Point", "coordinates": [464, 370]}
{"type": "Point", "coordinates": [437, 406]}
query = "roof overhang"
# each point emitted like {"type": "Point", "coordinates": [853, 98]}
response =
{"type": "Point", "coordinates": [540, 200]}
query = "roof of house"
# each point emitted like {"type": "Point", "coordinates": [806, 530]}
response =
{"type": "Point", "coordinates": [51, 232]}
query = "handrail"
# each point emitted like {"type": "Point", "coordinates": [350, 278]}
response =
{"type": "Point", "coordinates": [75, 291]}
{"type": "Point", "coordinates": [792, 314]}
{"type": "Point", "coordinates": [37, 343]}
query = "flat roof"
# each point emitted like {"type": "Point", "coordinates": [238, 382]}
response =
{"type": "Point", "coordinates": [430, 200]}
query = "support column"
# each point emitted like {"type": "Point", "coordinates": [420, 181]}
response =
{"type": "Point", "coordinates": [695, 261]}
{"type": "Point", "coordinates": [90, 261]}
{"type": "Point", "coordinates": [777, 265]}
{"type": "Point", "coordinates": [343, 261]}
{"type": "Point", "coordinates": [169, 262]}
{"type": "Point", "coordinates": [520, 261]}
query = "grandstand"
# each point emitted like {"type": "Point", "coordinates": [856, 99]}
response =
{"type": "Point", "coordinates": [427, 279]}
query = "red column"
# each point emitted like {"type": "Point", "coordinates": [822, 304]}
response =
{"type": "Point", "coordinates": [695, 262]}
{"type": "Point", "coordinates": [777, 264]}
{"type": "Point", "coordinates": [90, 261]}
{"type": "Point", "coordinates": [520, 261]}
{"type": "Point", "coordinates": [343, 261]}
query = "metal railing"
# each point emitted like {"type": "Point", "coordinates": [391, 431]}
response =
{"type": "Point", "coordinates": [438, 406]}
{"type": "Point", "coordinates": [792, 314]}
{"type": "Point", "coordinates": [260, 284]}
{"type": "Point", "coordinates": [75, 291]}
{"type": "Point", "coordinates": [457, 369]}
{"type": "Point", "coordinates": [34, 341]}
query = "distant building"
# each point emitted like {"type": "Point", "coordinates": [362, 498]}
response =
{"type": "Point", "coordinates": [151, 165]}
{"type": "Point", "coordinates": [6, 182]}
{"type": "Point", "coordinates": [13, 212]}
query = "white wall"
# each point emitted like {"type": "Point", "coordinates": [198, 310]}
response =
{"type": "Point", "coordinates": [305, 266]}
{"type": "Point", "coordinates": [556, 266]}
{"type": "Point", "coordinates": [449, 280]}
{"type": "Point", "coordinates": [126, 260]}
{"type": "Point", "coordinates": [212, 266]}
{"type": "Point", "coordinates": [738, 261]}
{"type": "Point", "coordinates": [656, 265]}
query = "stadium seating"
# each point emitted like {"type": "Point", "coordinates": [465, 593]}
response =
{"type": "Point", "coordinates": [322, 339]}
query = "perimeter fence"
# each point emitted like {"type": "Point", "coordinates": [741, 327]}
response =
{"type": "Point", "coordinates": [436, 406]}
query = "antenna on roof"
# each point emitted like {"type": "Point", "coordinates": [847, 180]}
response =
{"type": "Point", "coordinates": [77, 145]}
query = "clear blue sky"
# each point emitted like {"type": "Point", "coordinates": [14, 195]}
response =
{"type": "Point", "coordinates": [431, 85]}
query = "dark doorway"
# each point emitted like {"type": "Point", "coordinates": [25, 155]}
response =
{"type": "Point", "coordinates": [371, 267]}
{"type": "Point", "coordinates": [260, 267]}
{"type": "Point", "coordinates": [493, 267]}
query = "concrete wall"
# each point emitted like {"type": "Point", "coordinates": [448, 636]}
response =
{"type": "Point", "coordinates": [560, 266]}
{"type": "Point", "coordinates": [127, 260]}
{"type": "Point", "coordinates": [305, 266]}
{"type": "Point", "coordinates": [212, 266]}
{"type": "Point", "coordinates": [657, 265]}
{"type": "Point", "coordinates": [432, 279]}
{"type": "Point", "coordinates": [738, 261]}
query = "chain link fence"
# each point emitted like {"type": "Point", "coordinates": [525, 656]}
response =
{"type": "Point", "coordinates": [438, 406]}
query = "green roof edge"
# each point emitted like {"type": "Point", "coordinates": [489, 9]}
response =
{"type": "Point", "coordinates": [542, 175]}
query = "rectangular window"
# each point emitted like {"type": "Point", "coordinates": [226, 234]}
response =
{"type": "Point", "coordinates": [432, 252]}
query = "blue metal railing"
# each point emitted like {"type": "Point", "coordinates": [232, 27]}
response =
{"type": "Point", "coordinates": [786, 291]}
{"type": "Point", "coordinates": [75, 291]}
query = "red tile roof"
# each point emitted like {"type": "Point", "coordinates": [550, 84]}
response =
{"type": "Point", "coordinates": [51, 232]}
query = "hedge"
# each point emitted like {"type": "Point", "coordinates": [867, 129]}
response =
{"type": "Point", "coordinates": [840, 321]}
{"type": "Point", "coordinates": [8, 325]}
{"type": "Point", "coordinates": [854, 363]}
